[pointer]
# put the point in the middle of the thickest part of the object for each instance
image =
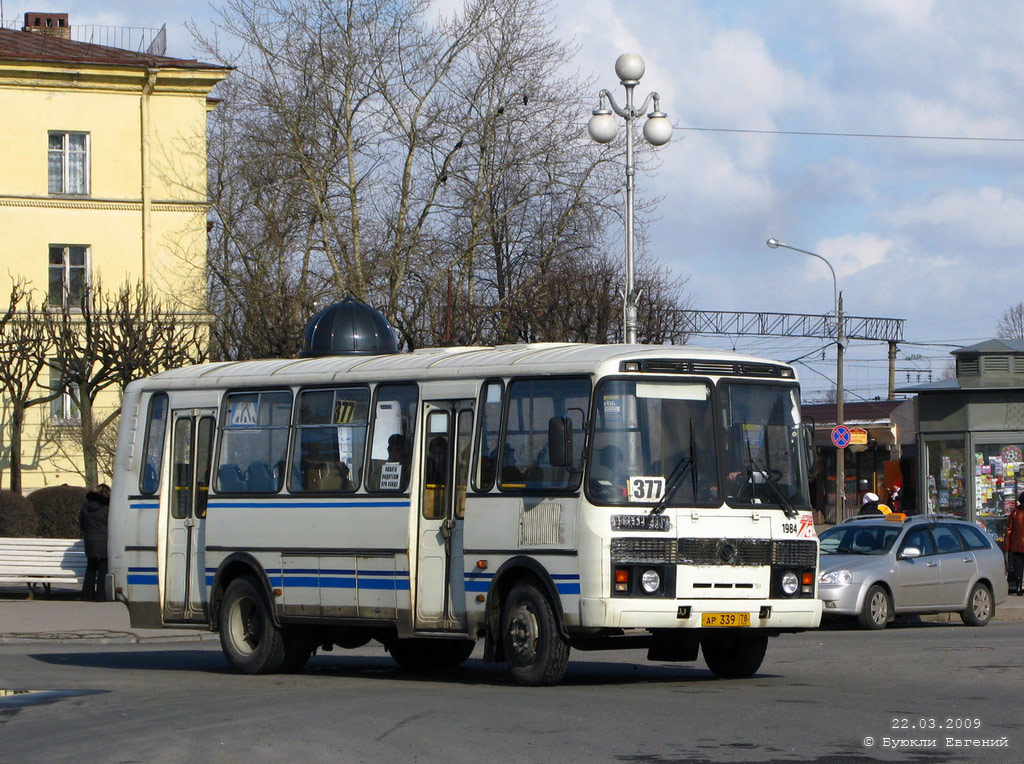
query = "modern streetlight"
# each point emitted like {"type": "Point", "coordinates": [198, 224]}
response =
{"type": "Point", "coordinates": [837, 298]}
{"type": "Point", "coordinates": [629, 68]}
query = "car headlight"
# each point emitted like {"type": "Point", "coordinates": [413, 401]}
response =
{"type": "Point", "coordinates": [836, 578]}
{"type": "Point", "coordinates": [650, 581]}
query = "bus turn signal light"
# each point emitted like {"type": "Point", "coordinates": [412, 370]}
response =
{"type": "Point", "coordinates": [621, 580]}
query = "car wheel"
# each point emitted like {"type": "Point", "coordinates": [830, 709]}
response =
{"type": "Point", "coordinates": [877, 608]}
{"type": "Point", "coordinates": [980, 607]}
{"type": "Point", "coordinates": [734, 655]}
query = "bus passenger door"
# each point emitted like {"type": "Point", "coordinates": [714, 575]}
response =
{"type": "Point", "coordinates": [185, 574]}
{"type": "Point", "coordinates": [444, 472]}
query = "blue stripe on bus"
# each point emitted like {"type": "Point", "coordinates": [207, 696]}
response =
{"type": "Point", "coordinates": [136, 579]}
{"type": "Point", "coordinates": [148, 505]}
{"type": "Point", "coordinates": [276, 504]}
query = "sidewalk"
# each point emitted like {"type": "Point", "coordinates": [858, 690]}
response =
{"type": "Point", "coordinates": [66, 621]}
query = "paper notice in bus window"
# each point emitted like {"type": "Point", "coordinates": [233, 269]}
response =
{"type": "Point", "coordinates": [612, 409]}
{"type": "Point", "coordinates": [345, 447]}
{"type": "Point", "coordinates": [387, 422]}
{"type": "Point", "coordinates": [391, 476]}
{"type": "Point", "coordinates": [244, 413]}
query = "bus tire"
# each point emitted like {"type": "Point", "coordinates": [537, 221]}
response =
{"type": "Point", "coordinates": [535, 650]}
{"type": "Point", "coordinates": [299, 645]}
{"type": "Point", "coordinates": [459, 651]}
{"type": "Point", "coordinates": [734, 655]}
{"type": "Point", "coordinates": [420, 653]}
{"type": "Point", "coordinates": [251, 641]}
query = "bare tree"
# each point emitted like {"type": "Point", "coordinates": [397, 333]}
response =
{"type": "Point", "coordinates": [1011, 324]}
{"type": "Point", "coordinates": [432, 165]}
{"type": "Point", "coordinates": [109, 341]}
{"type": "Point", "coordinates": [24, 352]}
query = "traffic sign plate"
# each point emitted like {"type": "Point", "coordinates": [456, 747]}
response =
{"type": "Point", "coordinates": [841, 436]}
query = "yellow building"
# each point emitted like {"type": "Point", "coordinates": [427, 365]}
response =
{"type": "Point", "coordinates": [102, 176]}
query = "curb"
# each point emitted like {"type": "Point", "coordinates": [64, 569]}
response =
{"type": "Point", "coordinates": [101, 638]}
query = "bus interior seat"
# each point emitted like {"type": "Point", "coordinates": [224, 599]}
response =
{"type": "Point", "coordinates": [260, 478]}
{"type": "Point", "coordinates": [230, 478]}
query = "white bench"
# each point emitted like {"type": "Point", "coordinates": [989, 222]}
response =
{"type": "Point", "coordinates": [42, 561]}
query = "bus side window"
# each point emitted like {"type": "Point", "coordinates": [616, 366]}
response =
{"type": "Point", "coordinates": [394, 422]}
{"type": "Point", "coordinates": [330, 440]}
{"type": "Point", "coordinates": [490, 431]}
{"type": "Point", "coordinates": [156, 426]}
{"type": "Point", "coordinates": [254, 442]}
{"type": "Point", "coordinates": [525, 463]}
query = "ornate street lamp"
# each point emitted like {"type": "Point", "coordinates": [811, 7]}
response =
{"type": "Point", "coordinates": [629, 68]}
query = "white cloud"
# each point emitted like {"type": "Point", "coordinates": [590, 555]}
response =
{"type": "Point", "coordinates": [906, 14]}
{"type": "Point", "coordinates": [851, 253]}
{"type": "Point", "coordinates": [986, 216]}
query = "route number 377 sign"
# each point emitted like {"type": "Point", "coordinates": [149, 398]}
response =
{"type": "Point", "coordinates": [646, 488]}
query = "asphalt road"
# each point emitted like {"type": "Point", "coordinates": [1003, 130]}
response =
{"type": "Point", "coordinates": [816, 699]}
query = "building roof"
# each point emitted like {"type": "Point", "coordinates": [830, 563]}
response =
{"type": "Point", "coordinates": [854, 413]}
{"type": "Point", "coordinates": [996, 345]}
{"type": "Point", "coordinates": [48, 48]}
{"type": "Point", "coordinates": [942, 386]}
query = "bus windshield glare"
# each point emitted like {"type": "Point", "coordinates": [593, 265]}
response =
{"type": "Point", "coordinates": [763, 454]}
{"type": "Point", "coordinates": [654, 443]}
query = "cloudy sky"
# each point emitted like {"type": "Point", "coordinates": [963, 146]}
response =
{"type": "Point", "coordinates": [916, 227]}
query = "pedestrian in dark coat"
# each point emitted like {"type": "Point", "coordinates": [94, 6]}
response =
{"type": "Point", "coordinates": [1013, 543]}
{"type": "Point", "coordinates": [93, 519]}
{"type": "Point", "coordinates": [870, 505]}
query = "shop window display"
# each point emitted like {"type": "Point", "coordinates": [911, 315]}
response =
{"type": "Point", "coordinates": [946, 487]}
{"type": "Point", "coordinates": [998, 480]}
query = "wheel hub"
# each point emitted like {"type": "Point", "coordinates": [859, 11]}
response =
{"type": "Point", "coordinates": [523, 631]}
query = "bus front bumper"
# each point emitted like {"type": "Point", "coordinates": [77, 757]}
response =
{"type": "Point", "coordinates": [802, 613]}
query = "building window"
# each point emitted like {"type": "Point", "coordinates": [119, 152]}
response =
{"type": "Point", "coordinates": [68, 163]}
{"type": "Point", "coordinates": [68, 275]}
{"type": "Point", "coordinates": [63, 408]}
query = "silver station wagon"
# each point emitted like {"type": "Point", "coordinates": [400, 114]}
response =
{"type": "Point", "coordinates": [875, 569]}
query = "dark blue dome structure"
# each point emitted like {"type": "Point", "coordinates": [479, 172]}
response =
{"type": "Point", "coordinates": [348, 327]}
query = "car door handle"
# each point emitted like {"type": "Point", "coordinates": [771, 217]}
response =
{"type": "Point", "coordinates": [932, 565]}
{"type": "Point", "coordinates": [968, 560]}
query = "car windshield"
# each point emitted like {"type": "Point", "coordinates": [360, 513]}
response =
{"type": "Point", "coordinates": [651, 439]}
{"type": "Point", "coordinates": [763, 449]}
{"type": "Point", "coordinates": [859, 539]}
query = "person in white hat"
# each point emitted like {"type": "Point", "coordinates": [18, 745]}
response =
{"type": "Point", "coordinates": [870, 505]}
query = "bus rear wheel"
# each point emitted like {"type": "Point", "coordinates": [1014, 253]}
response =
{"type": "Point", "coordinates": [536, 653]}
{"type": "Point", "coordinates": [251, 641]}
{"type": "Point", "coordinates": [734, 655]}
{"type": "Point", "coordinates": [424, 653]}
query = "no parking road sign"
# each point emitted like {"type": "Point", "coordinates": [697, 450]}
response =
{"type": "Point", "coordinates": [841, 436]}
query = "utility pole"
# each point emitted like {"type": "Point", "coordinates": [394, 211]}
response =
{"type": "Point", "coordinates": [840, 452]}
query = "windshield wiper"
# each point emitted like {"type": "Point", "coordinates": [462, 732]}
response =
{"type": "Point", "coordinates": [784, 501]}
{"type": "Point", "coordinates": [675, 478]}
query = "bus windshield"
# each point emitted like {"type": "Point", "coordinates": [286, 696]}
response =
{"type": "Point", "coordinates": [652, 440]}
{"type": "Point", "coordinates": [763, 455]}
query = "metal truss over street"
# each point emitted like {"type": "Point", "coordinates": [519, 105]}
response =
{"type": "Point", "coordinates": [792, 325]}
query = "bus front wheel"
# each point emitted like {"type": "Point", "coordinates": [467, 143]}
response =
{"type": "Point", "coordinates": [536, 653]}
{"type": "Point", "coordinates": [251, 641]}
{"type": "Point", "coordinates": [734, 655]}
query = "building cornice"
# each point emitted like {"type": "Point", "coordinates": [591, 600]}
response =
{"type": "Point", "coordinates": [107, 77]}
{"type": "Point", "coordinates": [119, 205]}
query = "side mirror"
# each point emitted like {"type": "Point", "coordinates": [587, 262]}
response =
{"type": "Point", "coordinates": [910, 552]}
{"type": "Point", "coordinates": [560, 441]}
{"type": "Point", "coordinates": [812, 452]}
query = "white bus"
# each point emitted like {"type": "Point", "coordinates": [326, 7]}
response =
{"type": "Point", "coordinates": [536, 497]}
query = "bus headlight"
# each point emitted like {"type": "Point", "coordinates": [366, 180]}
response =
{"type": "Point", "coordinates": [650, 581]}
{"type": "Point", "coordinates": [790, 583]}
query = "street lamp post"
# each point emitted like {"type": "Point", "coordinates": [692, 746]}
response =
{"type": "Point", "coordinates": [629, 68]}
{"type": "Point", "coordinates": [837, 298]}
